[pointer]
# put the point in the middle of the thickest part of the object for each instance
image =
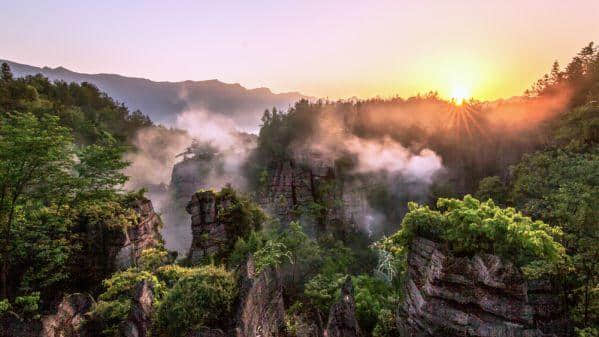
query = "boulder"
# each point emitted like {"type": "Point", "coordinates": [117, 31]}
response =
{"type": "Point", "coordinates": [70, 315]}
{"type": "Point", "coordinates": [482, 295]}
{"type": "Point", "coordinates": [342, 317]}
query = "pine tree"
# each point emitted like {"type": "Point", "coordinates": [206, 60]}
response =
{"type": "Point", "coordinates": [6, 73]}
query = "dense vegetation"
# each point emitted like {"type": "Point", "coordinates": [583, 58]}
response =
{"type": "Point", "coordinates": [61, 164]}
{"type": "Point", "coordinates": [560, 185]}
{"type": "Point", "coordinates": [89, 113]}
{"type": "Point", "coordinates": [469, 227]}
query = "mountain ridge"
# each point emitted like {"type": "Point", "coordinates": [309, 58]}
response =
{"type": "Point", "coordinates": [163, 101]}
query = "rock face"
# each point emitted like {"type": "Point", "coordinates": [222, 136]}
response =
{"type": "Point", "coordinates": [140, 318]}
{"type": "Point", "coordinates": [209, 231]}
{"type": "Point", "coordinates": [260, 310]}
{"type": "Point", "coordinates": [143, 235]}
{"type": "Point", "coordinates": [479, 296]}
{"type": "Point", "coordinates": [191, 174]}
{"type": "Point", "coordinates": [342, 318]}
{"type": "Point", "coordinates": [293, 185]}
{"type": "Point", "coordinates": [68, 318]}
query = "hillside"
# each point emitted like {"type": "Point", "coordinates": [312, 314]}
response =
{"type": "Point", "coordinates": [162, 101]}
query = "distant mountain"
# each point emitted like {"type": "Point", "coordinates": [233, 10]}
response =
{"type": "Point", "coordinates": [163, 101]}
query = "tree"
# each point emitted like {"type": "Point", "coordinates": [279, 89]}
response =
{"type": "Point", "coordinates": [35, 157]}
{"type": "Point", "coordinates": [561, 187]}
{"type": "Point", "coordinates": [6, 73]}
{"type": "Point", "coordinates": [492, 188]}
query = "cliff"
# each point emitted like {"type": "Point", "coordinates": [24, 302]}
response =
{"type": "Point", "coordinates": [295, 185]}
{"type": "Point", "coordinates": [218, 220]}
{"type": "Point", "coordinates": [142, 235]}
{"type": "Point", "coordinates": [209, 235]}
{"type": "Point", "coordinates": [481, 296]}
{"type": "Point", "coordinates": [260, 311]}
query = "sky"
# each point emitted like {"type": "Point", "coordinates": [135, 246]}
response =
{"type": "Point", "coordinates": [334, 49]}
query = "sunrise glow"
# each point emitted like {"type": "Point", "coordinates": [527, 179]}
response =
{"type": "Point", "coordinates": [460, 93]}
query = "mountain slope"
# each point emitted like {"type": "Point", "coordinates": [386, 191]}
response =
{"type": "Point", "coordinates": [162, 101]}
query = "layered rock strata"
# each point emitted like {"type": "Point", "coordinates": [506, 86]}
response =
{"type": "Point", "coordinates": [481, 296]}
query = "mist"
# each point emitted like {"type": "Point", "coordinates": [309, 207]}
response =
{"type": "Point", "coordinates": [160, 150]}
{"type": "Point", "coordinates": [402, 146]}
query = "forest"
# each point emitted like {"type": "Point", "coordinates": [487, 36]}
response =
{"type": "Point", "coordinates": [514, 180]}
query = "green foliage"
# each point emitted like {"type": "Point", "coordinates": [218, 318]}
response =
{"type": "Point", "coordinates": [200, 299]}
{"type": "Point", "coordinates": [4, 307]}
{"type": "Point", "coordinates": [28, 305]}
{"type": "Point", "coordinates": [244, 247]}
{"type": "Point", "coordinates": [123, 283]}
{"type": "Point", "coordinates": [372, 295]}
{"type": "Point", "coordinates": [273, 254]}
{"type": "Point", "coordinates": [470, 226]}
{"type": "Point", "coordinates": [335, 256]}
{"type": "Point", "coordinates": [35, 156]}
{"type": "Point", "coordinates": [244, 213]}
{"type": "Point", "coordinates": [323, 290]}
{"type": "Point", "coordinates": [578, 129]}
{"type": "Point", "coordinates": [153, 258]}
{"type": "Point", "coordinates": [241, 216]}
{"type": "Point", "coordinates": [561, 187]}
{"type": "Point", "coordinates": [492, 188]}
{"type": "Point", "coordinates": [109, 316]}
{"type": "Point", "coordinates": [386, 325]}
{"type": "Point", "coordinates": [89, 113]}
{"type": "Point", "coordinates": [24, 307]}
{"type": "Point", "coordinates": [580, 77]}
{"type": "Point", "coordinates": [587, 332]}
{"type": "Point", "coordinates": [172, 273]}
{"type": "Point", "coordinates": [114, 304]}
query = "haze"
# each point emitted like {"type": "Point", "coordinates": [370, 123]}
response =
{"type": "Point", "coordinates": [336, 49]}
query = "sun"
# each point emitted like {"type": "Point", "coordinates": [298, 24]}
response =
{"type": "Point", "coordinates": [460, 93]}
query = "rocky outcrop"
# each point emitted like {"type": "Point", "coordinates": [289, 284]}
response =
{"type": "Point", "coordinates": [140, 318]}
{"type": "Point", "coordinates": [192, 174]}
{"type": "Point", "coordinates": [481, 296]}
{"type": "Point", "coordinates": [142, 235]}
{"type": "Point", "coordinates": [260, 311]}
{"type": "Point", "coordinates": [69, 317]}
{"type": "Point", "coordinates": [294, 184]}
{"type": "Point", "coordinates": [342, 318]}
{"type": "Point", "coordinates": [209, 232]}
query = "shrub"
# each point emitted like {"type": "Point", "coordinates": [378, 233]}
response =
{"type": "Point", "coordinates": [152, 258]}
{"type": "Point", "coordinates": [114, 304]}
{"type": "Point", "coordinates": [244, 247]}
{"type": "Point", "coordinates": [273, 254]}
{"type": "Point", "coordinates": [172, 273]}
{"type": "Point", "coordinates": [492, 188]}
{"type": "Point", "coordinates": [199, 299]}
{"type": "Point", "coordinates": [372, 295]}
{"type": "Point", "coordinates": [323, 290]}
{"type": "Point", "coordinates": [4, 307]}
{"type": "Point", "coordinates": [469, 226]}
{"type": "Point", "coordinates": [123, 284]}
{"type": "Point", "coordinates": [28, 305]}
